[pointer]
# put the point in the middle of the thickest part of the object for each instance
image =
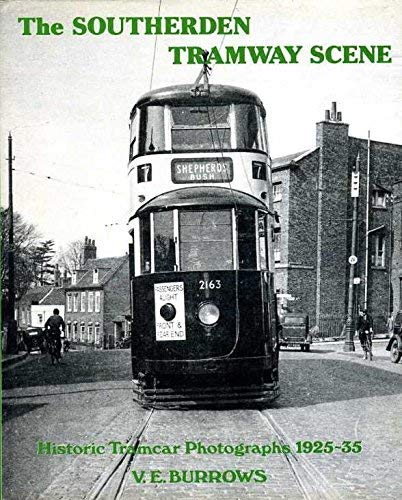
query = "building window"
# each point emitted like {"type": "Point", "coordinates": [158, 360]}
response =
{"type": "Point", "coordinates": [68, 330]}
{"type": "Point", "coordinates": [40, 318]}
{"type": "Point", "coordinates": [90, 301]}
{"type": "Point", "coordinates": [74, 278]}
{"type": "Point", "coordinates": [95, 276]}
{"type": "Point", "coordinates": [97, 302]}
{"type": "Point", "coordinates": [90, 332]}
{"type": "Point", "coordinates": [75, 302]}
{"type": "Point", "coordinates": [75, 331]}
{"type": "Point", "coordinates": [82, 331]}
{"type": "Point", "coordinates": [277, 246]}
{"type": "Point", "coordinates": [97, 332]}
{"type": "Point", "coordinates": [82, 301]}
{"type": "Point", "coordinates": [379, 198]}
{"type": "Point", "coordinates": [277, 191]}
{"type": "Point", "coordinates": [378, 255]}
{"type": "Point", "coordinates": [69, 302]}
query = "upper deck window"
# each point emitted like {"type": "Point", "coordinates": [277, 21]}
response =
{"type": "Point", "coordinates": [228, 127]}
{"type": "Point", "coordinates": [152, 129]}
{"type": "Point", "coordinates": [249, 127]}
{"type": "Point", "coordinates": [204, 127]}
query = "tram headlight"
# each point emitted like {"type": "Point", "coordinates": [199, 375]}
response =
{"type": "Point", "coordinates": [168, 312]}
{"type": "Point", "coordinates": [208, 313]}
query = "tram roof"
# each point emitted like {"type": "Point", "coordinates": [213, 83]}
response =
{"type": "Point", "coordinates": [201, 197]}
{"type": "Point", "coordinates": [218, 94]}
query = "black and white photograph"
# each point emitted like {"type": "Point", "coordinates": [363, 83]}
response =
{"type": "Point", "coordinates": [201, 249]}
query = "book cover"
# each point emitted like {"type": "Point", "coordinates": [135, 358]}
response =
{"type": "Point", "coordinates": [190, 236]}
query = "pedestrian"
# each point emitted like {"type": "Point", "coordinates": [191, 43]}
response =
{"type": "Point", "coordinates": [390, 325]}
{"type": "Point", "coordinates": [54, 326]}
{"type": "Point", "coordinates": [365, 331]}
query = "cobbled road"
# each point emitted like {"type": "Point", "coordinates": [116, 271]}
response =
{"type": "Point", "coordinates": [326, 395]}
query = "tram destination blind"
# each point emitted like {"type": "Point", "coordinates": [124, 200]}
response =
{"type": "Point", "coordinates": [189, 170]}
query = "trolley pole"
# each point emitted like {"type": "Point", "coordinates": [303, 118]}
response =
{"type": "Point", "coordinates": [349, 343]}
{"type": "Point", "coordinates": [12, 347]}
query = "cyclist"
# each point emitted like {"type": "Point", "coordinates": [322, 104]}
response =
{"type": "Point", "coordinates": [53, 328]}
{"type": "Point", "coordinates": [365, 329]}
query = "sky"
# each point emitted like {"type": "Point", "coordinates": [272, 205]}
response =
{"type": "Point", "coordinates": [66, 99]}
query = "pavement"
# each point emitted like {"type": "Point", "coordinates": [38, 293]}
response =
{"type": "Point", "coordinates": [326, 395]}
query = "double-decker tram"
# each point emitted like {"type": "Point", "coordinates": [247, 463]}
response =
{"type": "Point", "coordinates": [204, 326]}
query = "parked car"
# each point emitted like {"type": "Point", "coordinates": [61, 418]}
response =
{"type": "Point", "coordinates": [294, 331]}
{"type": "Point", "coordinates": [34, 338]}
{"type": "Point", "coordinates": [395, 342]}
{"type": "Point", "coordinates": [124, 343]}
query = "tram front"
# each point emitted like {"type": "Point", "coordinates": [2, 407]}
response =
{"type": "Point", "coordinates": [204, 315]}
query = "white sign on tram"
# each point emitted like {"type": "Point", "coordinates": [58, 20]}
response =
{"type": "Point", "coordinates": [169, 301]}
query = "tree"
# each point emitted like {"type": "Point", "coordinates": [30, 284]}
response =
{"type": "Point", "coordinates": [43, 255]}
{"type": "Point", "coordinates": [72, 257]}
{"type": "Point", "coordinates": [26, 239]}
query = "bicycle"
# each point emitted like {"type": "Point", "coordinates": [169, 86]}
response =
{"type": "Point", "coordinates": [52, 349]}
{"type": "Point", "coordinates": [366, 343]}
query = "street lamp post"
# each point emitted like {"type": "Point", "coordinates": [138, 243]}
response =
{"type": "Point", "coordinates": [349, 343]}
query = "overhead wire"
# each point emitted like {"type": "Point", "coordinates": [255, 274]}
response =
{"type": "Point", "coordinates": [154, 54]}
{"type": "Point", "coordinates": [69, 183]}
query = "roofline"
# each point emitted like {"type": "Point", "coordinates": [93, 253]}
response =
{"type": "Point", "coordinates": [378, 142]}
{"type": "Point", "coordinates": [294, 160]}
{"type": "Point", "coordinates": [218, 94]}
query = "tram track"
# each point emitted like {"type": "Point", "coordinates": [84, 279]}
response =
{"type": "Point", "coordinates": [310, 481]}
{"type": "Point", "coordinates": [111, 483]}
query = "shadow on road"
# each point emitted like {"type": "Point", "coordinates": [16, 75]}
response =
{"type": "Point", "coordinates": [13, 411]}
{"type": "Point", "coordinates": [313, 381]}
{"type": "Point", "coordinates": [75, 368]}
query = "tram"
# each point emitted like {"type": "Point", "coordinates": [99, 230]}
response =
{"type": "Point", "coordinates": [204, 330]}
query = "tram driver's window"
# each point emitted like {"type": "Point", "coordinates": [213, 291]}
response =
{"type": "Point", "coordinates": [145, 245]}
{"type": "Point", "coordinates": [246, 239]}
{"type": "Point", "coordinates": [164, 246]}
{"type": "Point", "coordinates": [206, 240]}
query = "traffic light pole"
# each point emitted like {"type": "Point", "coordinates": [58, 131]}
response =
{"type": "Point", "coordinates": [349, 343]}
{"type": "Point", "coordinates": [12, 347]}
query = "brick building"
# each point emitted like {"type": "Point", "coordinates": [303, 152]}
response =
{"type": "Point", "coordinates": [99, 292]}
{"type": "Point", "coordinates": [312, 194]}
{"type": "Point", "coordinates": [396, 269]}
{"type": "Point", "coordinates": [36, 306]}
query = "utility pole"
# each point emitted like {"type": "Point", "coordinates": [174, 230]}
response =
{"type": "Point", "coordinates": [366, 243]}
{"type": "Point", "coordinates": [349, 343]}
{"type": "Point", "coordinates": [12, 347]}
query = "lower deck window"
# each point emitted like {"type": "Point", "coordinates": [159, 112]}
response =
{"type": "Point", "coordinates": [202, 240]}
{"type": "Point", "coordinates": [164, 248]}
{"type": "Point", "coordinates": [206, 240]}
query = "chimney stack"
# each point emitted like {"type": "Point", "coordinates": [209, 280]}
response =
{"type": "Point", "coordinates": [57, 280]}
{"type": "Point", "coordinates": [89, 249]}
{"type": "Point", "coordinates": [333, 115]}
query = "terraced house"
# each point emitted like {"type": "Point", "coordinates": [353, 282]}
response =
{"type": "Point", "coordinates": [99, 292]}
